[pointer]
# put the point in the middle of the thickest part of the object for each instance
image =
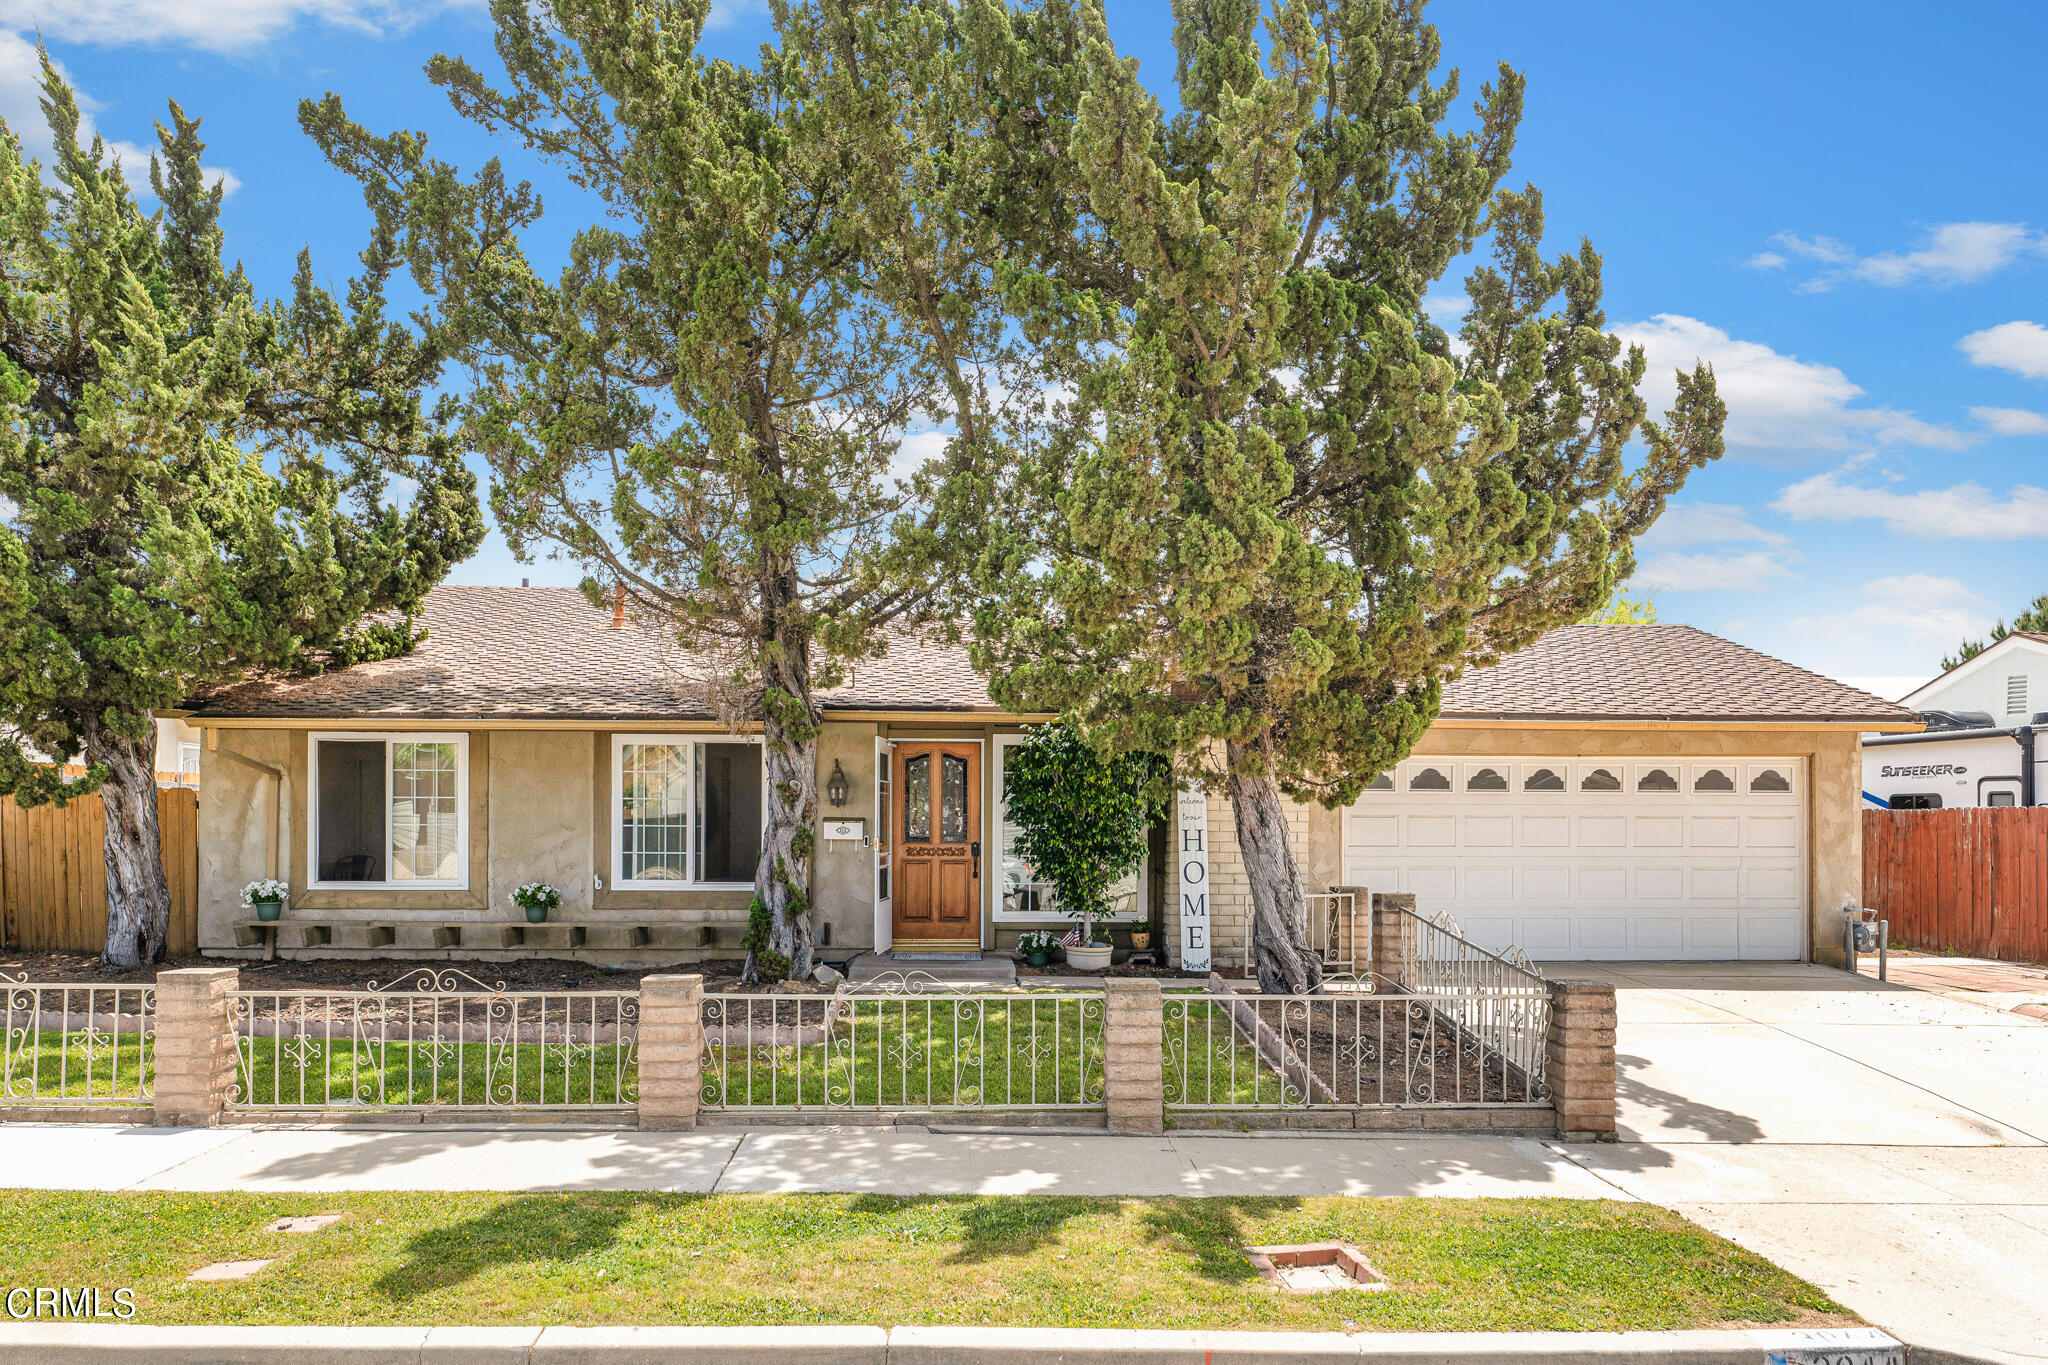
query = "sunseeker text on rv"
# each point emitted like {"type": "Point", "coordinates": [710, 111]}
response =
{"type": "Point", "coordinates": [1924, 770]}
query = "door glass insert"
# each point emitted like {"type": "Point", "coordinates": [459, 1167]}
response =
{"type": "Point", "coordinates": [1713, 780]}
{"type": "Point", "coordinates": [1657, 780]}
{"type": "Point", "coordinates": [1429, 780]}
{"type": "Point", "coordinates": [1543, 780]}
{"type": "Point", "coordinates": [952, 799]}
{"type": "Point", "coordinates": [1600, 780]}
{"type": "Point", "coordinates": [1486, 780]}
{"type": "Point", "coordinates": [1770, 780]}
{"type": "Point", "coordinates": [917, 799]}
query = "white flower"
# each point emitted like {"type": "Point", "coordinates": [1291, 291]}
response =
{"type": "Point", "coordinates": [269, 889]}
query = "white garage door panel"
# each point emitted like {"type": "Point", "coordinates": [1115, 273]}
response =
{"type": "Point", "coordinates": [1645, 858]}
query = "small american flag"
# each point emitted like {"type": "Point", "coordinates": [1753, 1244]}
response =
{"type": "Point", "coordinates": [1073, 938]}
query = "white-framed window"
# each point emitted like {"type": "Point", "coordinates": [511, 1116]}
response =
{"type": "Point", "coordinates": [390, 810]}
{"type": "Point", "coordinates": [1020, 896]}
{"type": "Point", "coordinates": [188, 764]}
{"type": "Point", "coordinates": [686, 812]}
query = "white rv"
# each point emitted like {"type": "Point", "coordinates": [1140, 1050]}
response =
{"type": "Point", "coordinates": [1963, 758]}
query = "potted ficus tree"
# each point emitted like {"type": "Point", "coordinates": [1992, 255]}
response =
{"type": "Point", "coordinates": [1081, 818]}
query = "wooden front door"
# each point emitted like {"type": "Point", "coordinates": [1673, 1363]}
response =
{"type": "Point", "coordinates": [937, 834]}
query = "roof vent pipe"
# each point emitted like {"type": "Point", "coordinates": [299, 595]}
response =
{"type": "Point", "coordinates": [618, 606]}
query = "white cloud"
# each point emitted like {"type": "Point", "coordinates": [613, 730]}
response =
{"type": "Point", "coordinates": [2012, 421]}
{"type": "Point", "coordinates": [1949, 253]}
{"type": "Point", "coordinates": [1963, 511]}
{"type": "Point", "coordinates": [1776, 403]}
{"type": "Point", "coordinates": [1707, 523]}
{"type": "Point", "coordinates": [1709, 571]}
{"type": "Point", "coordinates": [726, 13]}
{"type": "Point", "coordinates": [21, 91]}
{"type": "Point", "coordinates": [2021, 347]}
{"type": "Point", "coordinates": [1907, 608]}
{"type": "Point", "coordinates": [1733, 568]}
{"type": "Point", "coordinates": [219, 25]}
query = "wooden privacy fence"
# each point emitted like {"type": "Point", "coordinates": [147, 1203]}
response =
{"type": "Point", "coordinates": [53, 872]}
{"type": "Point", "coordinates": [1971, 880]}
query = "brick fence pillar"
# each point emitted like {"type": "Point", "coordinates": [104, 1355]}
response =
{"type": "Point", "coordinates": [1393, 936]}
{"type": "Point", "coordinates": [194, 1045]}
{"type": "Point", "coordinates": [671, 1051]}
{"type": "Point", "coordinates": [1134, 1077]}
{"type": "Point", "coordinates": [1579, 1059]}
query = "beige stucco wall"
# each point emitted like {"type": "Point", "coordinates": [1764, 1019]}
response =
{"type": "Point", "coordinates": [542, 810]}
{"type": "Point", "coordinates": [1834, 824]}
{"type": "Point", "coordinates": [843, 873]}
{"type": "Point", "coordinates": [539, 801]}
{"type": "Point", "coordinates": [237, 806]}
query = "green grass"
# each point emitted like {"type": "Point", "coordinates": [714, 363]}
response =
{"type": "Point", "coordinates": [376, 1073]}
{"type": "Point", "coordinates": [103, 1067]}
{"type": "Point", "coordinates": [910, 1052]}
{"type": "Point", "coordinates": [596, 1258]}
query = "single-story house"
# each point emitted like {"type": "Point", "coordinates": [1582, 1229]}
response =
{"type": "Point", "coordinates": [1611, 791]}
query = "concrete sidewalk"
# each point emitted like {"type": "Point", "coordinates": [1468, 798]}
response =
{"type": "Point", "coordinates": [833, 1159]}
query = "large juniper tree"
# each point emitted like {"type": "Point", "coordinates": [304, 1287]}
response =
{"type": "Point", "coordinates": [169, 521]}
{"type": "Point", "coordinates": [1286, 507]}
{"type": "Point", "coordinates": [783, 267]}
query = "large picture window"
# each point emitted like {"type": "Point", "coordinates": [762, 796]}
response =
{"type": "Point", "coordinates": [686, 812]}
{"type": "Point", "coordinates": [1021, 896]}
{"type": "Point", "coordinates": [391, 810]}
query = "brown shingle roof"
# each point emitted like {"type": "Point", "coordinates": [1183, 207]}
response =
{"type": "Point", "coordinates": [537, 653]}
{"type": "Point", "coordinates": [1655, 672]}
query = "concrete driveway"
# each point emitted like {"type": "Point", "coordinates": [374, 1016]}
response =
{"type": "Point", "coordinates": [1887, 1143]}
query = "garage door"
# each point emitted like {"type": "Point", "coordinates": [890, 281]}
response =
{"type": "Point", "coordinates": [1579, 858]}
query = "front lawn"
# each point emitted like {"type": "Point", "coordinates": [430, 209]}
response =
{"type": "Point", "coordinates": [415, 1258]}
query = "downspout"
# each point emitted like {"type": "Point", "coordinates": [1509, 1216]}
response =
{"type": "Point", "coordinates": [2025, 735]}
{"type": "Point", "coordinates": [275, 834]}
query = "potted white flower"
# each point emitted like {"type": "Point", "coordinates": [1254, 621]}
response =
{"type": "Point", "coordinates": [536, 899]}
{"type": "Point", "coordinates": [266, 898]}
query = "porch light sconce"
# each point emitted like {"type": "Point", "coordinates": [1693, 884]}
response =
{"type": "Point", "coordinates": [835, 785]}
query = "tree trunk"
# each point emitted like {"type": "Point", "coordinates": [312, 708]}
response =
{"type": "Point", "coordinates": [1286, 963]}
{"type": "Point", "coordinates": [783, 880]}
{"type": "Point", "coordinates": [138, 894]}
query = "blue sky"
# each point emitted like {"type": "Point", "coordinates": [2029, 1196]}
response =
{"type": "Point", "coordinates": [1840, 205]}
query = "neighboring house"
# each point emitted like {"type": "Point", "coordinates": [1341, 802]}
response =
{"type": "Point", "coordinates": [2007, 680]}
{"type": "Point", "coordinates": [1611, 791]}
{"type": "Point", "coordinates": [177, 754]}
{"type": "Point", "coordinates": [1979, 749]}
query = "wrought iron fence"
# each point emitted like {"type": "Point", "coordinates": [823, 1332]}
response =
{"type": "Point", "coordinates": [77, 1044]}
{"type": "Point", "coordinates": [1353, 1050]}
{"type": "Point", "coordinates": [1448, 969]}
{"type": "Point", "coordinates": [909, 1043]}
{"type": "Point", "coordinates": [437, 1040]}
{"type": "Point", "coordinates": [1339, 929]}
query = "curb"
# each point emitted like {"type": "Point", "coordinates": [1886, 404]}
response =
{"type": "Point", "coordinates": [93, 1344]}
